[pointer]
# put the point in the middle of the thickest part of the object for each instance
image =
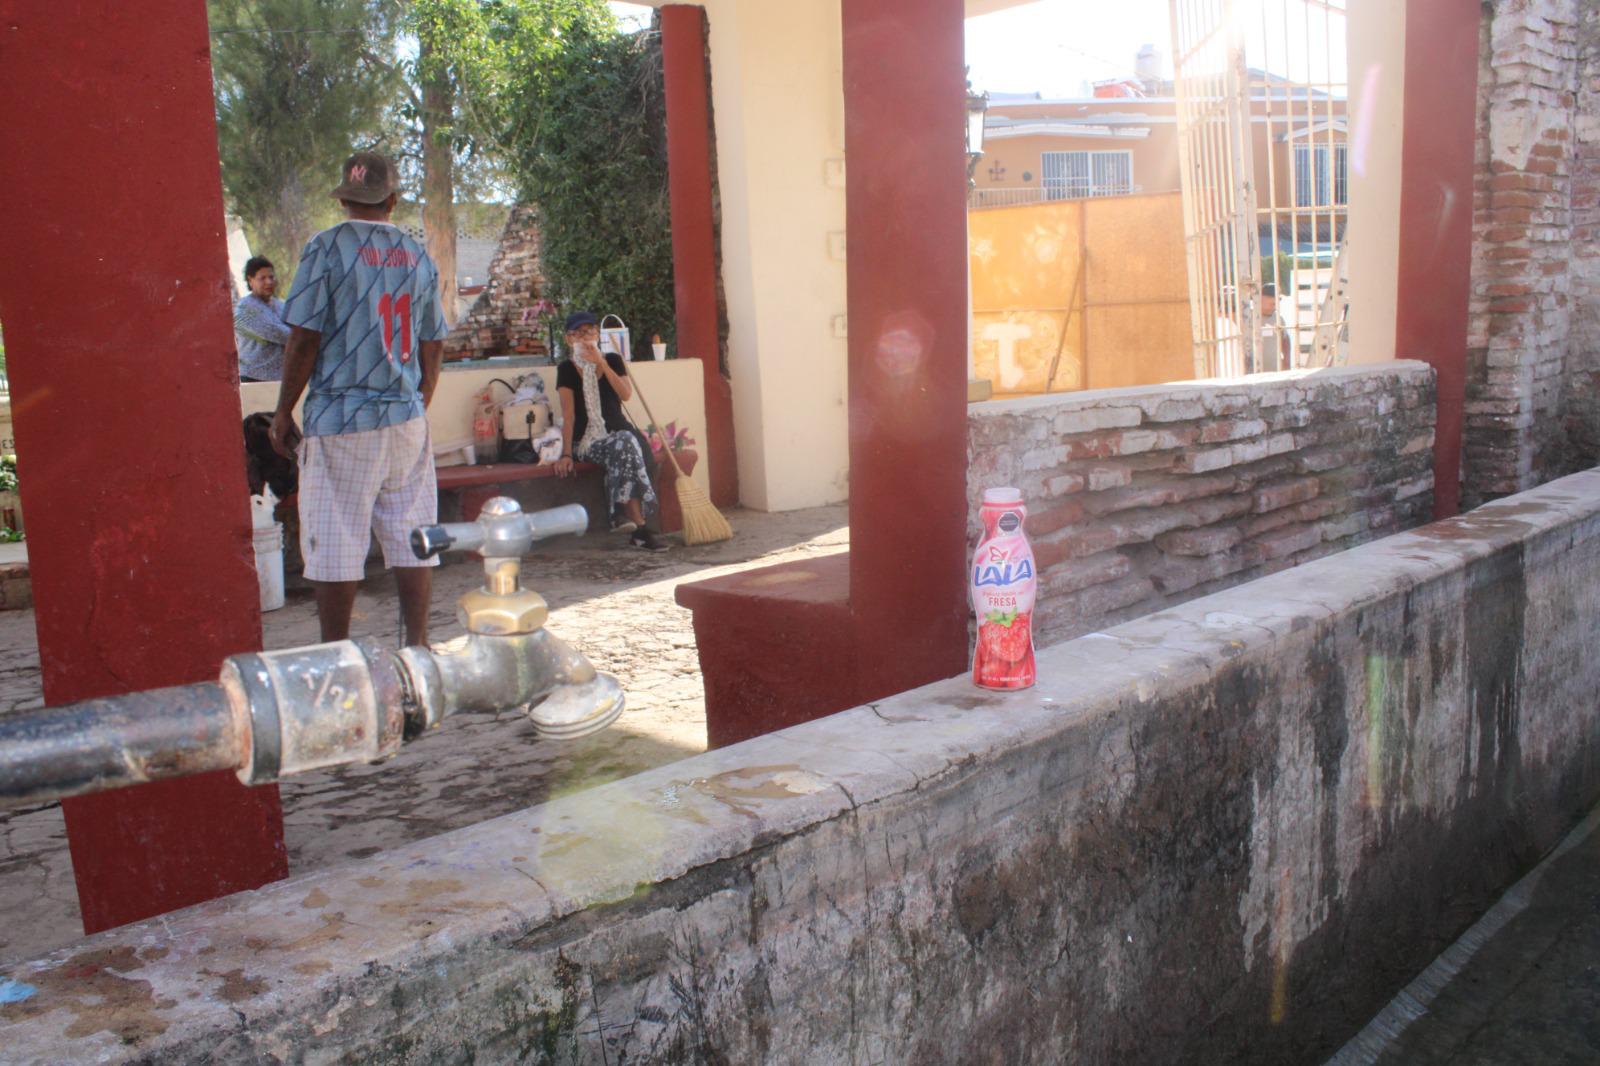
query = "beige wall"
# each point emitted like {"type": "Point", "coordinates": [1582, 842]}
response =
{"type": "Point", "coordinates": [778, 97]}
{"type": "Point", "coordinates": [673, 387]}
{"type": "Point", "coordinates": [1377, 30]}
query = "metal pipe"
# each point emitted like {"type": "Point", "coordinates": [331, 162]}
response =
{"type": "Point", "coordinates": [117, 741]}
{"type": "Point", "coordinates": [286, 712]}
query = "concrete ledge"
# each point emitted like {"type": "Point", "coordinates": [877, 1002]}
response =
{"type": "Point", "coordinates": [1227, 832]}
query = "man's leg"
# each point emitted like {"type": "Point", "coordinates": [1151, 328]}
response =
{"type": "Point", "coordinates": [335, 600]}
{"type": "Point", "coordinates": [339, 479]}
{"type": "Point", "coordinates": [407, 499]}
{"type": "Point", "coordinates": [416, 591]}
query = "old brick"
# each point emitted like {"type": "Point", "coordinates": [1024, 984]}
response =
{"type": "Point", "coordinates": [1283, 493]}
{"type": "Point", "coordinates": [1090, 419]}
{"type": "Point", "coordinates": [1286, 541]}
{"type": "Point", "coordinates": [1310, 511]}
{"type": "Point", "coordinates": [1176, 411]}
{"type": "Point", "coordinates": [1206, 541]}
{"type": "Point", "coordinates": [1347, 526]}
{"type": "Point", "coordinates": [1072, 575]}
{"type": "Point", "coordinates": [1064, 484]}
{"type": "Point", "coordinates": [1227, 429]}
{"type": "Point", "coordinates": [1177, 574]}
{"type": "Point", "coordinates": [1050, 519]}
{"type": "Point", "coordinates": [1201, 462]}
{"type": "Point", "coordinates": [1108, 477]}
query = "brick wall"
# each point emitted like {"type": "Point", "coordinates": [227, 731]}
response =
{"type": "Point", "coordinates": [1531, 385]}
{"type": "Point", "coordinates": [499, 321]}
{"type": "Point", "coordinates": [1582, 409]}
{"type": "Point", "coordinates": [1142, 498]}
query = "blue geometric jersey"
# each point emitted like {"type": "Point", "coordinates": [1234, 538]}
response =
{"type": "Point", "coordinates": [372, 292]}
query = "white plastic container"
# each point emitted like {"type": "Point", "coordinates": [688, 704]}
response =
{"type": "Point", "coordinates": [660, 351]}
{"type": "Point", "coordinates": [268, 538]}
{"type": "Point", "coordinates": [269, 564]}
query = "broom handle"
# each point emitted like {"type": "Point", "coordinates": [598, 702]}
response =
{"type": "Point", "coordinates": [666, 445]}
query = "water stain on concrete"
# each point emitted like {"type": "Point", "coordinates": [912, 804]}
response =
{"type": "Point", "coordinates": [736, 789]}
{"type": "Point", "coordinates": [313, 967]}
{"type": "Point", "coordinates": [314, 899]}
{"type": "Point", "coordinates": [95, 986]}
{"type": "Point", "coordinates": [236, 986]}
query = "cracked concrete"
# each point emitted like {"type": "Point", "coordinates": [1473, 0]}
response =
{"type": "Point", "coordinates": [614, 604]}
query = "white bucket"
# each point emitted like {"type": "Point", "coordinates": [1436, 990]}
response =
{"type": "Point", "coordinates": [269, 564]}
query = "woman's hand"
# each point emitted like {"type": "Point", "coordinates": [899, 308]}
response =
{"type": "Point", "coordinates": [565, 466]}
{"type": "Point", "coordinates": [590, 353]}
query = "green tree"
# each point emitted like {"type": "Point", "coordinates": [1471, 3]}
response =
{"type": "Point", "coordinates": [299, 84]}
{"type": "Point", "coordinates": [573, 108]}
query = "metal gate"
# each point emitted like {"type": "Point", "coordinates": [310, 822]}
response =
{"type": "Point", "coordinates": [1261, 88]}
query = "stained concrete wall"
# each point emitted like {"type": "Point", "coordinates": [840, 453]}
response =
{"type": "Point", "coordinates": [1141, 498]}
{"type": "Point", "coordinates": [1222, 833]}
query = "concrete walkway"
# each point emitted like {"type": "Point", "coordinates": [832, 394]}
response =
{"type": "Point", "coordinates": [1522, 986]}
{"type": "Point", "coordinates": [612, 602]}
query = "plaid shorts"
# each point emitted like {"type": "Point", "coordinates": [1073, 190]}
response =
{"type": "Point", "coordinates": [354, 485]}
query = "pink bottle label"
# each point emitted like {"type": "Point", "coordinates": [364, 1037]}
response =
{"type": "Point", "coordinates": [1004, 588]}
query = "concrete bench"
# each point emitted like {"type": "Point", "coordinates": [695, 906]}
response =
{"type": "Point", "coordinates": [463, 490]}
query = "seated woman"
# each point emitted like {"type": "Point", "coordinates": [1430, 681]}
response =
{"type": "Point", "coordinates": [593, 387]}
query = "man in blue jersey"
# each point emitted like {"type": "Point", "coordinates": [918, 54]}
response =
{"type": "Point", "coordinates": [367, 337]}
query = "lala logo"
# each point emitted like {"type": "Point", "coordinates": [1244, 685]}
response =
{"type": "Point", "coordinates": [1001, 573]}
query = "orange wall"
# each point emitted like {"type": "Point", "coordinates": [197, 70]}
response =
{"type": "Point", "coordinates": [1122, 321]}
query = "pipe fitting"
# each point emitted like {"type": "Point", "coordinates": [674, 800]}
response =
{"type": "Point", "coordinates": [314, 707]}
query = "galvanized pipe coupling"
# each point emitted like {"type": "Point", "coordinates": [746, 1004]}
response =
{"type": "Point", "coordinates": [276, 713]}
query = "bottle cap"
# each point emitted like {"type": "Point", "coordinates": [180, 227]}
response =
{"type": "Point", "coordinates": [1002, 497]}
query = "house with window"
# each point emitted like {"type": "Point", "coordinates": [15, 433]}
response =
{"type": "Point", "coordinates": [1124, 140]}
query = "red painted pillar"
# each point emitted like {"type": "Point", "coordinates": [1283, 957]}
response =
{"type": "Point", "coordinates": [904, 91]}
{"type": "Point", "coordinates": [1436, 175]}
{"type": "Point", "coordinates": [119, 343]}
{"type": "Point", "coordinates": [694, 255]}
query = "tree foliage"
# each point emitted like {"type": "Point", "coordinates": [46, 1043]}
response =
{"type": "Point", "coordinates": [299, 84]}
{"type": "Point", "coordinates": [574, 108]}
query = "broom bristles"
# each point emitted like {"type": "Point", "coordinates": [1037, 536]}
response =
{"type": "Point", "coordinates": [702, 522]}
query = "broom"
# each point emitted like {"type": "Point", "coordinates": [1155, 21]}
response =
{"type": "Point", "coordinates": [702, 522]}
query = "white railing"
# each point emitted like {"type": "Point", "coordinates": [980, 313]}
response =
{"type": "Point", "coordinates": [1035, 194]}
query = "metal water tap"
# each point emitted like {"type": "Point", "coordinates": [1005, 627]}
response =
{"type": "Point", "coordinates": [271, 714]}
{"type": "Point", "coordinates": [509, 658]}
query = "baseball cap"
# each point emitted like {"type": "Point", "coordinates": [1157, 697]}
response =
{"type": "Point", "coordinates": [581, 318]}
{"type": "Point", "coordinates": [368, 179]}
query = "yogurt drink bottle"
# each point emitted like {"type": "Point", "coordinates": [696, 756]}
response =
{"type": "Point", "coordinates": [1003, 591]}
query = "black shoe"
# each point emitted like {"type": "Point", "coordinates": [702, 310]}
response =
{"type": "Point", "coordinates": [643, 538]}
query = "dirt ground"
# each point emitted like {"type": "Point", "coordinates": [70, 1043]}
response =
{"type": "Point", "coordinates": [614, 603]}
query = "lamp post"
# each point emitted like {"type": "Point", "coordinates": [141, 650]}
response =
{"type": "Point", "coordinates": [977, 109]}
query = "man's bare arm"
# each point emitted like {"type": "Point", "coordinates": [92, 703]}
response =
{"type": "Point", "coordinates": [432, 362]}
{"type": "Point", "coordinates": [299, 359]}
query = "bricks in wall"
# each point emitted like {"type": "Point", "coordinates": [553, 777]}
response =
{"type": "Point", "coordinates": [501, 321]}
{"type": "Point", "coordinates": [1142, 498]}
{"type": "Point", "coordinates": [1533, 385]}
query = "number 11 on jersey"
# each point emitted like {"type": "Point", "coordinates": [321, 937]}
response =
{"type": "Point", "coordinates": [395, 311]}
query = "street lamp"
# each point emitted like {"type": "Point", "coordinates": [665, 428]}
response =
{"type": "Point", "coordinates": [977, 110]}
